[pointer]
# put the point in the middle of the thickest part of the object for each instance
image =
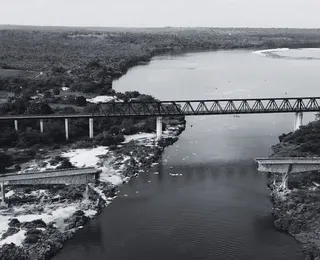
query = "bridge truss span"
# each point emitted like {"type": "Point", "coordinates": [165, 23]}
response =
{"type": "Point", "coordinates": [208, 107]}
{"type": "Point", "coordinates": [160, 109]}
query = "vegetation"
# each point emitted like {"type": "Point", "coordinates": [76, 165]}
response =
{"type": "Point", "coordinates": [88, 61]}
{"type": "Point", "coordinates": [306, 140]}
{"type": "Point", "coordinates": [56, 71]}
{"type": "Point", "coordinates": [108, 131]}
{"type": "Point", "coordinates": [5, 161]}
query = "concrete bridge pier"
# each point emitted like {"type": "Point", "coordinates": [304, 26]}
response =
{"type": "Point", "coordinates": [66, 125]}
{"type": "Point", "coordinates": [159, 128]}
{"type": "Point", "coordinates": [2, 193]}
{"type": "Point", "coordinates": [41, 125]}
{"type": "Point", "coordinates": [285, 177]}
{"type": "Point", "coordinates": [16, 125]}
{"type": "Point", "coordinates": [91, 128]}
{"type": "Point", "coordinates": [298, 117]}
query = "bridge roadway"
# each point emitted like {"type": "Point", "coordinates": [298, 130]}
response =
{"type": "Point", "coordinates": [288, 165]}
{"type": "Point", "coordinates": [64, 176]}
{"type": "Point", "coordinates": [190, 108]}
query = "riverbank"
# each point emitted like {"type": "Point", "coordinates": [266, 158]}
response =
{"type": "Point", "coordinates": [296, 210]}
{"type": "Point", "coordinates": [40, 219]}
{"type": "Point", "coordinates": [112, 53]}
{"type": "Point", "coordinates": [93, 73]}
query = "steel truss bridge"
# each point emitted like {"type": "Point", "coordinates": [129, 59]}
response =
{"type": "Point", "coordinates": [190, 108]}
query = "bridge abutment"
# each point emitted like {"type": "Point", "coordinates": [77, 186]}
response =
{"type": "Point", "coordinates": [91, 128]}
{"type": "Point", "coordinates": [298, 117]}
{"type": "Point", "coordinates": [66, 125]}
{"type": "Point", "coordinates": [159, 128]}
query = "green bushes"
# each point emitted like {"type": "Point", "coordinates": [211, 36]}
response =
{"type": "Point", "coordinates": [25, 106]}
{"type": "Point", "coordinates": [65, 164]}
{"type": "Point", "coordinates": [106, 139]}
{"type": "Point", "coordinates": [307, 138]}
{"type": "Point", "coordinates": [54, 132]}
{"type": "Point", "coordinates": [132, 94]}
{"type": "Point", "coordinates": [8, 137]}
{"type": "Point", "coordinates": [85, 87]}
{"type": "Point", "coordinates": [127, 127]}
{"type": "Point", "coordinates": [311, 146]}
{"type": "Point", "coordinates": [5, 161]}
{"type": "Point", "coordinates": [107, 90]}
{"type": "Point", "coordinates": [115, 130]}
{"type": "Point", "coordinates": [16, 107]}
{"type": "Point", "coordinates": [81, 101]}
{"type": "Point", "coordinates": [38, 108]}
{"type": "Point", "coordinates": [56, 91]}
{"type": "Point", "coordinates": [30, 138]}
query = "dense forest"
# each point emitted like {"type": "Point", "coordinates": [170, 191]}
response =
{"type": "Point", "coordinates": [88, 61]}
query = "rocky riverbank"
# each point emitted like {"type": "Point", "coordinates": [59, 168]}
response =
{"type": "Point", "coordinates": [40, 219]}
{"type": "Point", "coordinates": [297, 210]}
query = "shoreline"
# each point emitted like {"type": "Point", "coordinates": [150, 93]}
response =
{"type": "Point", "coordinates": [296, 210]}
{"type": "Point", "coordinates": [46, 238]}
{"type": "Point", "coordinates": [40, 239]}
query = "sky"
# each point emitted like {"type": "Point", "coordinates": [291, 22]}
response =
{"type": "Point", "coordinates": [161, 13]}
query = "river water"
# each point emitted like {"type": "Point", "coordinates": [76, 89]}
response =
{"type": "Point", "coordinates": [219, 207]}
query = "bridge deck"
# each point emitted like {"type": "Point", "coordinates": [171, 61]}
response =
{"type": "Point", "coordinates": [49, 176]}
{"type": "Point", "coordinates": [289, 160]}
{"type": "Point", "coordinates": [190, 108]}
{"type": "Point", "coordinates": [288, 164]}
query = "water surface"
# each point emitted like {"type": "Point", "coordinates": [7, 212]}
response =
{"type": "Point", "coordinates": [219, 208]}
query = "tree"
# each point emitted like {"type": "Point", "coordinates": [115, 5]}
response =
{"type": "Point", "coordinates": [56, 91]}
{"type": "Point", "coordinates": [47, 94]}
{"type": "Point", "coordinates": [39, 108]}
{"type": "Point", "coordinates": [132, 94]}
{"type": "Point", "coordinates": [81, 101]}
{"type": "Point", "coordinates": [65, 164]}
{"type": "Point", "coordinates": [19, 106]}
{"type": "Point", "coordinates": [68, 110]}
{"type": "Point", "coordinates": [127, 127]}
{"type": "Point", "coordinates": [115, 130]}
{"type": "Point", "coordinates": [5, 161]}
{"type": "Point", "coordinates": [8, 137]}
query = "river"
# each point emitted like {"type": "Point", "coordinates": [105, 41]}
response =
{"type": "Point", "coordinates": [218, 208]}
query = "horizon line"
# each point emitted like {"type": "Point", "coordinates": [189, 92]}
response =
{"type": "Point", "coordinates": [156, 27]}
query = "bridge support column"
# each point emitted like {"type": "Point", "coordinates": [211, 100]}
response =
{"type": "Point", "coordinates": [285, 177]}
{"type": "Point", "coordinates": [16, 125]}
{"type": "Point", "coordinates": [41, 125]}
{"type": "Point", "coordinates": [86, 193]}
{"type": "Point", "coordinates": [66, 125]}
{"type": "Point", "coordinates": [298, 120]}
{"type": "Point", "coordinates": [91, 128]}
{"type": "Point", "coordinates": [2, 194]}
{"type": "Point", "coordinates": [159, 128]}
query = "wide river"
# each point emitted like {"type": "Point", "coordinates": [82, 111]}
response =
{"type": "Point", "coordinates": [219, 208]}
